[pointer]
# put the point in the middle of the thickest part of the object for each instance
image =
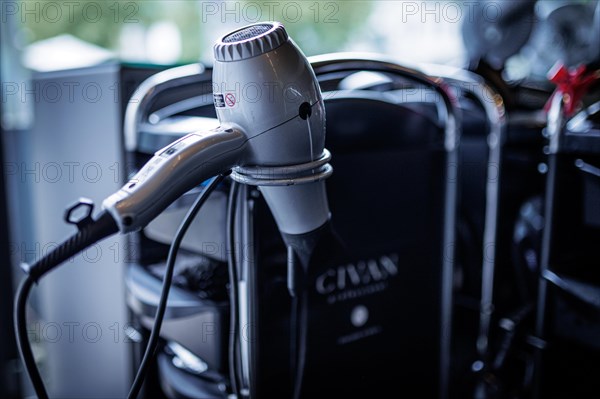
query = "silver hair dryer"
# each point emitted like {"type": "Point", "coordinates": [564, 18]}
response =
{"type": "Point", "coordinates": [271, 134]}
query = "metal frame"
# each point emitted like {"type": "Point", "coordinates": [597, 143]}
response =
{"type": "Point", "coordinates": [145, 95]}
{"type": "Point", "coordinates": [555, 130]}
{"type": "Point", "coordinates": [495, 111]}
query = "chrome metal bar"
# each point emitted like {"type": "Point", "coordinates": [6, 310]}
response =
{"type": "Point", "coordinates": [556, 124]}
{"type": "Point", "coordinates": [493, 106]}
{"type": "Point", "coordinates": [143, 98]}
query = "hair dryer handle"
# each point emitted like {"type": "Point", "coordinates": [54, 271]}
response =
{"type": "Point", "coordinates": [172, 171]}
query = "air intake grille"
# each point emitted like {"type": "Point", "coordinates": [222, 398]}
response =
{"type": "Point", "coordinates": [247, 33]}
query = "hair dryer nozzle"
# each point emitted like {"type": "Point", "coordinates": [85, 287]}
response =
{"type": "Point", "coordinates": [298, 209]}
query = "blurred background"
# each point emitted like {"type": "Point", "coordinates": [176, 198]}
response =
{"type": "Point", "coordinates": [50, 35]}
{"type": "Point", "coordinates": [177, 31]}
{"type": "Point", "coordinates": [68, 69]}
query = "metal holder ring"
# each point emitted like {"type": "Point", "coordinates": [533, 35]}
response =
{"type": "Point", "coordinates": [289, 175]}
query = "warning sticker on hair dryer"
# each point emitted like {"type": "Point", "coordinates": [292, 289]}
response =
{"type": "Point", "coordinates": [227, 100]}
{"type": "Point", "coordinates": [219, 100]}
{"type": "Point", "coordinates": [230, 100]}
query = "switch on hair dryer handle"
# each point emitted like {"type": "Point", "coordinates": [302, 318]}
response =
{"type": "Point", "coordinates": [171, 172]}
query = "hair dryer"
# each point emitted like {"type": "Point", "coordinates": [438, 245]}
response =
{"type": "Point", "coordinates": [272, 133]}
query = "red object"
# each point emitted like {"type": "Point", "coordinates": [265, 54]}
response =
{"type": "Point", "coordinates": [230, 100]}
{"type": "Point", "coordinates": [573, 83]}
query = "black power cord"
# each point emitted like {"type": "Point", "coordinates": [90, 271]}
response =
{"type": "Point", "coordinates": [298, 319]}
{"type": "Point", "coordinates": [89, 233]}
{"type": "Point", "coordinates": [300, 336]}
{"type": "Point", "coordinates": [168, 277]}
{"type": "Point", "coordinates": [23, 341]}
{"type": "Point", "coordinates": [233, 289]}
